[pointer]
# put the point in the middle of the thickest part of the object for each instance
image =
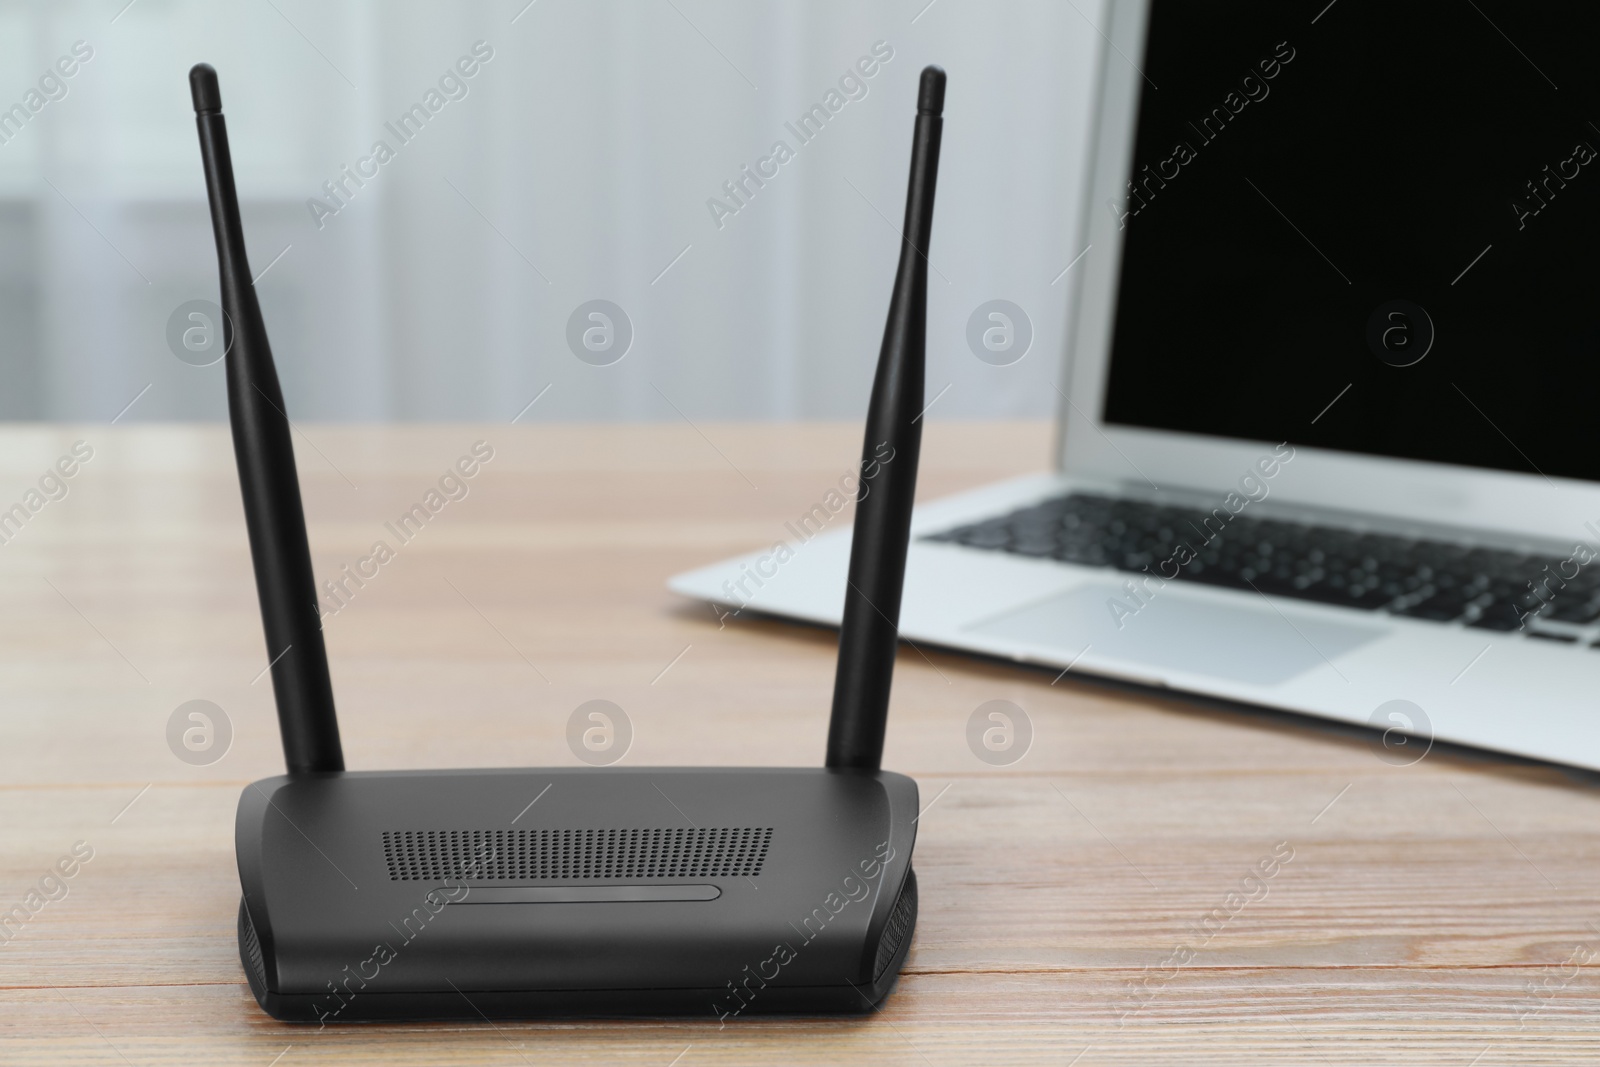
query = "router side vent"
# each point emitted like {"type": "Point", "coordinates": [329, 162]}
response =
{"type": "Point", "coordinates": [565, 855]}
{"type": "Point", "coordinates": [250, 945]}
{"type": "Point", "coordinates": [900, 922]}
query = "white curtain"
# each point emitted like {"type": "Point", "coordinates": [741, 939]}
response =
{"type": "Point", "coordinates": [575, 163]}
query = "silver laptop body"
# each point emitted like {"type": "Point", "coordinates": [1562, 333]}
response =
{"type": "Point", "coordinates": [997, 571]}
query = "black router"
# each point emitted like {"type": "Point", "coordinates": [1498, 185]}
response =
{"type": "Point", "coordinates": [474, 894]}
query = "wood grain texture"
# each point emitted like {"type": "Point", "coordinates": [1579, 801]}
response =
{"type": "Point", "coordinates": [1090, 901]}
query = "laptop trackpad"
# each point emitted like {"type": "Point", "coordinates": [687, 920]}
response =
{"type": "Point", "coordinates": [1247, 642]}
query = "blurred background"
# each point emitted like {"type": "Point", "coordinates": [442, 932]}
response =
{"type": "Point", "coordinates": [581, 160]}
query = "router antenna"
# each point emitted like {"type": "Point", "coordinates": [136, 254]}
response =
{"type": "Point", "coordinates": [267, 479]}
{"type": "Point", "coordinates": [870, 630]}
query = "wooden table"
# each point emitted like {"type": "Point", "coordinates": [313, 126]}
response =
{"type": "Point", "coordinates": [1090, 904]}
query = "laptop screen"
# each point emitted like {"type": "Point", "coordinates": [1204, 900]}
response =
{"type": "Point", "coordinates": [1367, 226]}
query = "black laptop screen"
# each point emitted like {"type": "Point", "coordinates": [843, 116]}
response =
{"type": "Point", "coordinates": [1368, 226]}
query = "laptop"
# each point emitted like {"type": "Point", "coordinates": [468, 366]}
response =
{"type": "Point", "coordinates": [1327, 426]}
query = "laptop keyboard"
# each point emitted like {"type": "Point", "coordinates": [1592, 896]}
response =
{"type": "Point", "coordinates": [1487, 588]}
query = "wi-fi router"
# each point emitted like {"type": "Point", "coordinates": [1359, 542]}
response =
{"type": "Point", "coordinates": [635, 891]}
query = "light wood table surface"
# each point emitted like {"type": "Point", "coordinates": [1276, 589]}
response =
{"type": "Point", "coordinates": [1440, 913]}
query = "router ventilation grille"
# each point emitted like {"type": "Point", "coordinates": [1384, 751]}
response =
{"type": "Point", "coordinates": [900, 923]}
{"type": "Point", "coordinates": [487, 855]}
{"type": "Point", "coordinates": [252, 947]}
